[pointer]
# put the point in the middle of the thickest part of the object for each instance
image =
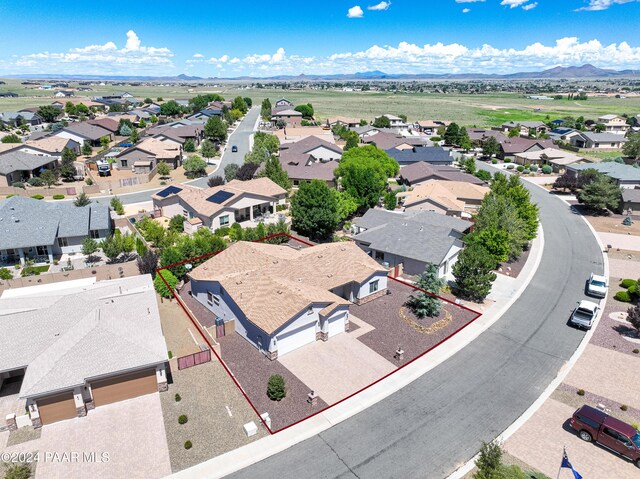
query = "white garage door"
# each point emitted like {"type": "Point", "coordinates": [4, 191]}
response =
{"type": "Point", "coordinates": [295, 339]}
{"type": "Point", "coordinates": [336, 325]}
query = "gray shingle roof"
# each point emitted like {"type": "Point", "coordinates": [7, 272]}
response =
{"type": "Point", "coordinates": [27, 222]}
{"type": "Point", "coordinates": [631, 195]}
{"type": "Point", "coordinates": [20, 161]}
{"type": "Point", "coordinates": [81, 333]}
{"type": "Point", "coordinates": [424, 236]}
{"type": "Point", "coordinates": [606, 137]}
{"type": "Point", "coordinates": [428, 154]}
{"type": "Point", "coordinates": [615, 170]}
{"type": "Point", "coordinates": [88, 131]}
{"type": "Point", "coordinates": [421, 171]}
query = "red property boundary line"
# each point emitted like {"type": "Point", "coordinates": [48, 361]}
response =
{"type": "Point", "coordinates": [233, 378]}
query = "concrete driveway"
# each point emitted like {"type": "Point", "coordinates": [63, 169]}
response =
{"type": "Point", "coordinates": [131, 433]}
{"type": "Point", "coordinates": [337, 368]}
{"type": "Point", "coordinates": [540, 441]}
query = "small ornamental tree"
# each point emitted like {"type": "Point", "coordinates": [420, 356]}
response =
{"type": "Point", "coordinates": [82, 200]}
{"type": "Point", "coordinates": [489, 462]}
{"type": "Point", "coordinates": [189, 146]}
{"type": "Point", "coordinates": [118, 207]}
{"type": "Point", "coordinates": [163, 168]}
{"type": "Point", "coordinates": [231, 171]}
{"type": "Point", "coordinates": [208, 149]}
{"type": "Point", "coordinates": [490, 147]}
{"type": "Point", "coordinates": [276, 389]}
{"type": "Point", "coordinates": [214, 181]}
{"type": "Point", "coordinates": [474, 272]}
{"type": "Point", "coordinates": [634, 317]}
{"type": "Point", "coordinates": [390, 200]}
{"type": "Point", "coordinates": [161, 287]}
{"type": "Point", "coordinates": [423, 304]}
{"type": "Point", "coordinates": [89, 247]}
{"type": "Point", "coordinates": [148, 262]}
{"type": "Point", "coordinates": [49, 178]}
{"type": "Point", "coordinates": [86, 149]}
{"type": "Point", "coordinates": [195, 166]}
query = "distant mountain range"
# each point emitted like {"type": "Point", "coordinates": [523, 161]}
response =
{"type": "Point", "coordinates": [558, 73]}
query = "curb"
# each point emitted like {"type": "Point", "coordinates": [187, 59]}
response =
{"type": "Point", "coordinates": [254, 452]}
{"type": "Point", "coordinates": [562, 374]}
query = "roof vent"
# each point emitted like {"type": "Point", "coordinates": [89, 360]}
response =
{"type": "Point", "coordinates": [275, 261]}
{"type": "Point", "coordinates": [279, 291]}
{"type": "Point", "coordinates": [239, 282]}
{"type": "Point", "coordinates": [319, 256]}
{"type": "Point", "coordinates": [330, 275]}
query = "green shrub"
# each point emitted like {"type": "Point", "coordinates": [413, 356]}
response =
{"type": "Point", "coordinates": [182, 419]}
{"type": "Point", "coordinates": [223, 231]}
{"type": "Point", "coordinates": [624, 407]}
{"type": "Point", "coordinates": [494, 161]}
{"type": "Point", "coordinates": [35, 181]}
{"type": "Point", "coordinates": [170, 354]}
{"type": "Point", "coordinates": [580, 392]}
{"type": "Point", "coordinates": [547, 169]}
{"type": "Point", "coordinates": [5, 273]}
{"type": "Point", "coordinates": [37, 197]}
{"type": "Point", "coordinates": [510, 166]}
{"type": "Point", "coordinates": [9, 196]}
{"type": "Point", "coordinates": [159, 285]}
{"type": "Point", "coordinates": [533, 168]}
{"type": "Point", "coordinates": [526, 171]}
{"type": "Point", "coordinates": [88, 181]}
{"type": "Point", "coordinates": [623, 296]}
{"type": "Point", "coordinates": [188, 445]}
{"type": "Point", "coordinates": [58, 197]}
{"type": "Point", "coordinates": [520, 168]}
{"type": "Point", "coordinates": [18, 184]}
{"type": "Point", "coordinates": [633, 289]}
{"type": "Point", "coordinates": [507, 160]}
{"type": "Point", "coordinates": [276, 390]}
{"type": "Point", "coordinates": [18, 471]}
{"type": "Point", "coordinates": [636, 351]}
{"type": "Point", "coordinates": [627, 283]}
{"type": "Point", "coordinates": [178, 397]}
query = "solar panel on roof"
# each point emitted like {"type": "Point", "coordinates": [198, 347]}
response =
{"type": "Point", "coordinates": [220, 197]}
{"type": "Point", "coordinates": [171, 190]}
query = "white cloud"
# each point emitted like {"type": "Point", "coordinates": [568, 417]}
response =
{"type": "Point", "coordinates": [380, 6]}
{"type": "Point", "coordinates": [530, 6]}
{"type": "Point", "coordinates": [99, 59]}
{"type": "Point", "coordinates": [355, 12]}
{"type": "Point", "coordinates": [466, 10]}
{"type": "Point", "coordinates": [513, 3]}
{"type": "Point", "coordinates": [198, 55]}
{"type": "Point", "coordinates": [595, 5]}
{"type": "Point", "coordinates": [469, 1]}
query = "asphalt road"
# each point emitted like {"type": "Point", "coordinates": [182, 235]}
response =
{"type": "Point", "coordinates": [434, 425]}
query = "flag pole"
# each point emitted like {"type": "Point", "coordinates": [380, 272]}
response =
{"type": "Point", "coordinates": [564, 451]}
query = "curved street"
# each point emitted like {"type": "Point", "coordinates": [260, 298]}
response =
{"type": "Point", "coordinates": [434, 425]}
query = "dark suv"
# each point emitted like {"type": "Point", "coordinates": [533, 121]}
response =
{"type": "Point", "coordinates": [594, 425]}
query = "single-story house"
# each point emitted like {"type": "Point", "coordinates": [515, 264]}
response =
{"type": "Point", "coordinates": [83, 131]}
{"type": "Point", "coordinates": [50, 145]}
{"type": "Point", "coordinates": [14, 118]}
{"type": "Point", "coordinates": [563, 134]}
{"type": "Point", "coordinates": [282, 298]}
{"type": "Point", "coordinates": [386, 140]}
{"type": "Point", "coordinates": [310, 158]}
{"type": "Point", "coordinates": [625, 175]}
{"type": "Point", "coordinates": [430, 127]}
{"type": "Point", "coordinates": [39, 230]}
{"type": "Point", "coordinates": [631, 200]}
{"type": "Point", "coordinates": [344, 121]}
{"type": "Point", "coordinates": [204, 115]}
{"type": "Point", "coordinates": [291, 134]}
{"type": "Point", "coordinates": [145, 156]}
{"type": "Point", "coordinates": [422, 171]}
{"type": "Point", "coordinates": [64, 94]}
{"type": "Point", "coordinates": [558, 159]}
{"type": "Point", "coordinates": [435, 155]}
{"type": "Point", "coordinates": [290, 117]}
{"type": "Point", "coordinates": [19, 166]}
{"type": "Point", "coordinates": [107, 123]}
{"type": "Point", "coordinates": [178, 133]}
{"type": "Point", "coordinates": [411, 239]}
{"type": "Point", "coordinates": [452, 198]}
{"type": "Point", "coordinates": [395, 121]}
{"type": "Point", "coordinates": [512, 146]}
{"type": "Point", "coordinates": [480, 135]}
{"type": "Point", "coordinates": [614, 124]}
{"type": "Point", "coordinates": [602, 141]}
{"type": "Point", "coordinates": [82, 344]}
{"type": "Point", "coordinates": [235, 202]}
{"type": "Point", "coordinates": [525, 127]}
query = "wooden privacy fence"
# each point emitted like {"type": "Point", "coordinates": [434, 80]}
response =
{"type": "Point", "coordinates": [194, 359]}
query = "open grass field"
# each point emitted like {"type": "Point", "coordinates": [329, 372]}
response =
{"type": "Point", "coordinates": [468, 110]}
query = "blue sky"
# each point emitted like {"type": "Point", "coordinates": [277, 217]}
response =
{"type": "Point", "coordinates": [230, 38]}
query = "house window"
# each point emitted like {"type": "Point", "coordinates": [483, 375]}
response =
{"type": "Point", "coordinates": [185, 213]}
{"type": "Point", "coordinates": [62, 242]}
{"type": "Point", "coordinates": [373, 286]}
{"type": "Point", "coordinates": [380, 255]}
{"type": "Point", "coordinates": [224, 220]}
{"type": "Point", "coordinates": [95, 234]}
{"type": "Point", "coordinates": [212, 298]}
{"type": "Point", "coordinates": [124, 163]}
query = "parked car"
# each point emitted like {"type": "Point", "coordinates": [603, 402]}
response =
{"type": "Point", "coordinates": [234, 149]}
{"type": "Point", "coordinates": [592, 424]}
{"type": "Point", "coordinates": [104, 169]}
{"type": "Point", "coordinates": [584, 314]}
{"type": "Point", "coordinates": [597, 286]}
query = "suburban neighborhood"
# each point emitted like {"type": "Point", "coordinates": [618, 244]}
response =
{"type": "Point", "coordinates": [212, 272]}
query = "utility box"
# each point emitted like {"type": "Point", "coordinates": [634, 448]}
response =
{"type": "Point", "coordinates": [250, 429]}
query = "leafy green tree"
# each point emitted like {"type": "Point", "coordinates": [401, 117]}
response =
{"type": "Point", "coordinates": [152, 231]}
{"type": "Point", "coordinates": [48, 113]}
{"type": "Point", "coordinates": [306, 110]}
{"type": "Point", "coordinates": [390, 200]}
{"type": "Point", "coordinates": [170, 108]}
{"type": "Point", "coordinates": [276, 389]}
{"type": "Point", "coordinates": [49, 178]}
{"type": "Point", "coordinates": [215, 129]}
{"type": "Point", "coordinates": [490, 147]}
{"type": "Point", "coordinates": [153, 119]}
{"type": "Point", "coordinates": [265, 109]}
{"type": "Point", "coordinates": [632, 147]}
{"type": "Point", "coordinates": [134, 137]}
{"type": "Point", "coordinates": [248, 101]}
{"type": "Point", "coordinates": [87, 150]}
{"type": "Point", "coordinates": [208, 149]}
{"type": "Point", "coordinates": [484, 175]}
{"type": "Point", "coordinates": [117, 205]}
{"type": "Point", "coordinates": [147, 101]}
{"type": "Point", "coordinates": [189, 146]}
{"type": "Point", "coordinates": [104, 142]}
{"type": "Point", "coordinates": [195, 166]}
{"type": "Point", "coordinates": [347, 205]}
{"type": "Point", "coordinates": [452, 134]}
{"type": "Point", "coordinates": [89, 247]}
{"type": "Point", "coordinates": [603, 193]}
{"type": "Point", "coordinates": [231, 171]}
{"type": "Point", "coordinates": [67, 168]}
{"type": "Point", "coordinates": [514, 132]}
{"type": "Point", "coordinates": [264, 145]}
{"type": "Point", "coordinates": [239, 104]}
{"type": "Point", "coordinates": [489, 462]}
{"type": "Point", "coordinates": [125, 130]}
{"type": "Point", "coordinates": [82, 200]}
{"type": "Point", "coordinates": [470, 165]}
{"type": "Point", "coordinates": [492, 239]}
{"type": "Point", "coordinates": [422, 304]}
{"type": "Point", "coordinates": [314, 210]}
{"type": "Point", "coordinates": [160, 286]}
{"type": "Point", "coordinates": [176, 223]}
{"type": "Point", "coordinates": [5, 274]}
{"type": "Point", "coordinates": [599, 127]}
{"type": "Point", "coordinates": [473, 272]}
{"type": "Point", "coordinates": [497, 211]}
{"type": "Point", "coordinates": [352, 140]}
{"type": "Point", "coordinates": [382, 122]}
{"type": "Point", "coordinates": [12, 138]}
{"type": "Point", "coordinates": [142, 123]}
{"type": "Point", "coordinates": [464, 141]}
{"type": "Point", "coordinates": [231, 116]}
{"type": "Point", "coordinates": [111, 247]}
{"type": "Point", "coordinates": [163, 169]}
{"type": "Point", "coordinates": [274, 171]}
{"type": "Point", "coordinates": [363, 122]}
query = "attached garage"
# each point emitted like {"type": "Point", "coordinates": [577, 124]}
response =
{"type": "Point", "coordinates": [336, 324]}
{"type": "Point", "coordinates": [123, 387]}
{"type": "Point", "coordinates": [57, 408]}
{"type": "Point", "coordinates": [295, 339]}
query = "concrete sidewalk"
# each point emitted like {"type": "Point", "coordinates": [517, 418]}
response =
{"type": "Point", "coordinates": [620, 241]}
{"type": "Point", "coordinates": [506, 291]}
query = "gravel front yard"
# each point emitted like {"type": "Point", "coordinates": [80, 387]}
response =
{"type": "Point", "coordinates": [206, 392]}
{"type": "Point", "coordinates": [396, 326]}
{"type": "Point", "coordinates": [252, 369]}
{"type": "Point", "coordinates": [177, 328]}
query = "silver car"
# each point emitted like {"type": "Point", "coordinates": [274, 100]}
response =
{"type": "Point", "coordinates": [584, 314]}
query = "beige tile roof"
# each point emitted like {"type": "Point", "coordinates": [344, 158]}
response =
{"type": "Point", "coordinates": [160, 149]}
{"type": "Point", "coordinates": [343, 119]}
{"type": "Point", "coordinates": [9, 146]}
{"type": "Point", "coordinates": [50, 143]}
{"type": "Point", "coordinates": [451, 194]}
{"type": "Point", "coordinates": [273, 283]}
